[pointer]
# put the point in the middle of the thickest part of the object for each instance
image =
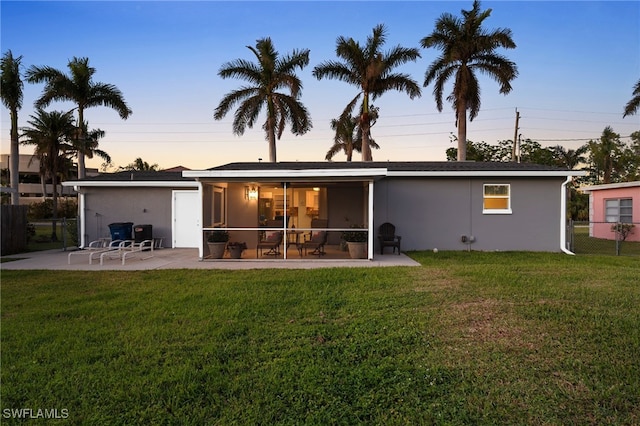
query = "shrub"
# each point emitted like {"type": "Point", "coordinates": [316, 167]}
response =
{"type": "Point", "coordinates": [355, 236]}
{"type": "Point", "coordinates": [218, 236]}
{"type": "Point", "coordinates": [67, 207]}
{"type": "Point", "coordinates": [623, 229]}
{"type": "Point", "coordinates": [40, 210]}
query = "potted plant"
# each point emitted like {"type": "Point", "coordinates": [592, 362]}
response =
{"type": "Point", "coordinates": [356, 241]}
{"type": "Point", "coordinates": [217, 242]}
{"type": "Point", "coordinates": [236, 249]}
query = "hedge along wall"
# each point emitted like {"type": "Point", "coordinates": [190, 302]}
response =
{"type": "Point", "coordinates": [13, 229]}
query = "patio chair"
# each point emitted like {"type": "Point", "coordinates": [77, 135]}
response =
{"type": "Point", "coordinates": [388, 238]}
{"type": "Point", "coordinates": [129, 248]}
{"type": "Point", "coordinates": [317, 242]}
{"type": "Point", "coordinates": [271, 239]}
{"type": "Point", "coordinates": [99, 245]}
{"type": "Point", "coordinates": [115, 251]}
{"type": "Point", "coordinates": [315, 239]}
{"type": "Point", "coordinates": [143, 246]}
{"type": "Point", "coordinates": [271, 243]}
{"type": "Point", "coordinates": [113, 246]}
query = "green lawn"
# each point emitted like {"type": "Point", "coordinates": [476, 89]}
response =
{"type": "Point", "coordinates": [468, 338]}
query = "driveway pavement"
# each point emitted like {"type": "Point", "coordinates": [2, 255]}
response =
{"type": "Point", "coordinates": [183, 259]}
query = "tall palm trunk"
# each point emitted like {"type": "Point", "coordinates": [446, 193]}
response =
{"type": "Point", "coordinates": [365, 124]}
{"type": "Point", "coordinates": [54, 182]}
{"type": "Point", "coordinates": [272, 143]}
{"type": "Point", "coordinates": [81, 165]}
{"type": "Point", "coordinates": [271, 130]}
{"type": "Point", "coordinates": [462, 130]}
{"type": "Point", "coordinates": [81, 140]}
{"type": "Point", "coordinates": [14, 163]}
{"type": "Point", "coordinates": [272, 140]}
{"type": "Point", "coordinates": [43, 184]}
{"type": "Point", "coordinates": [54, 222]}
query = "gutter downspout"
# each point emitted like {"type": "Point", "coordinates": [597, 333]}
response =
{"type": "Point", "coordinates": [563, 217]}
{"type": "Point", "coordinates": [81, 209]}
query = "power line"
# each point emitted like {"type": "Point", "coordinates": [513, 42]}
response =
{"type": "Point", "coordinates": [572, 140]}
{"type": "Point", "coordinates": [574, 111]}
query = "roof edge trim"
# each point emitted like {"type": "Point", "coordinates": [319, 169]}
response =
{"type": "Point", "coordinates": [486, 173]}
{"type": "Point", "coordinates": [618, 185]}
{"type": "Point", "coordinates": [285, 173]}
{"type": "Point", "coordinates": [130, 183]}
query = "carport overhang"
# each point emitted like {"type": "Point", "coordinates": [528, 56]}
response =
{"type": "Point", "coordinates": [79, 185]}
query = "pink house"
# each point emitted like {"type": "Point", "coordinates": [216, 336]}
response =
{"type": "Point", "coordinates": [614, 203]}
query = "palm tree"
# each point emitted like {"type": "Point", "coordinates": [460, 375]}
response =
{"type": "Point", "coordinates": [467, 48]}
{"type": "Point", "coordinates": [570, 158]}
{"type": "Point", "coordinates": [78, 87]}
{"type": "Point", "coordinates": [11, 92]}
{"type": "Point", "coordinates": [50, 132]}
{"type": "Point", "coordinates": [88, 146]}
{"type": "Point", "coordinates": [372, 72]}
{"type": "Point", "coordinates": [267, 77]}
{"type": "Point", "coordinates": [344, 139]}
{"type": "Point", "coordinates": [633, 105]}
{"type": "Point", "coordinates": [141, 166]}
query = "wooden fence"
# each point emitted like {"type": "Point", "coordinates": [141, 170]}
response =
{"type": "Point", "coordinates": [13, 231]}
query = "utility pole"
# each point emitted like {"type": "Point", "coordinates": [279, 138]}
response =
{"type": "Point", "coordinates": [515, 138]}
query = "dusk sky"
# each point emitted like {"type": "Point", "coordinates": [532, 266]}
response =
{"type": "Point", "coordinates": [578, 62]}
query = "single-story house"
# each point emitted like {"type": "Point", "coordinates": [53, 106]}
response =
{"type": "Point", "coordinates": [611, 204]}
{"type": "Point", "coordinates": [444, 205]}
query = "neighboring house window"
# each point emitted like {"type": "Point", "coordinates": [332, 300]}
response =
{"type": "Point", "coordinates": [618, 210]}
{"type": "Point", "coordinates": [218, 206]}
{"type": "Point", "coordinates": [496, 199]}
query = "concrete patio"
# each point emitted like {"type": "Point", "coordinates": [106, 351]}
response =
{"type": "Point", "coordinates": [185, 259]}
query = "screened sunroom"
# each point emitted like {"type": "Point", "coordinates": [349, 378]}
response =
{"type": "Point", "coordinates": [285, 211]}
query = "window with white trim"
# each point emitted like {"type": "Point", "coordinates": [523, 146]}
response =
{"type": "Point", "coordinates": [618, 210]}
{"type": "Point", "coordinates": [496, 198]}
{"type": "Point", "coordinates": [218, 207]}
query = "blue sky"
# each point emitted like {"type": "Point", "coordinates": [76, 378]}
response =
{"type": "Point", "coordinates": [577, 60]}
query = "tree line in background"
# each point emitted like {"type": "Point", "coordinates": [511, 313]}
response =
{"type": "Point", "coordinates": [466, 49]}
{"type": "Point", "coordinates": [606, 160]}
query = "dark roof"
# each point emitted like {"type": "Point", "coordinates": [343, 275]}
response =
{"type": "Point", "coordinates": [176, 169]}
{"type": "Point", "coordinates": [137, 176]}
{"type": "Point", "coordinates": [395, 166]}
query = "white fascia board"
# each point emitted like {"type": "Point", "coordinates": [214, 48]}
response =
{"type": "Point", "coordinates": [486, 173]}
{"type": "Point", "coordinates": [132, 184]}
{"type": "Point", "coordinates": [619, 185]}
{"type": "Point", "coordinates": [285, 174]}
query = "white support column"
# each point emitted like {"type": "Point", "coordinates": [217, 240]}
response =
{"type": "Point", "coordinates": [201, 221]}
{"type": "Point", "coordinates": [285, 214]}
{"type": "Point", "coordinates": [83, 222]}
{"type": "Point", "coordinates": [370, 222]}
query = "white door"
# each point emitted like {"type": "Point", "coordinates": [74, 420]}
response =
{"type": "Point", "coordinates": [186, 219]}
